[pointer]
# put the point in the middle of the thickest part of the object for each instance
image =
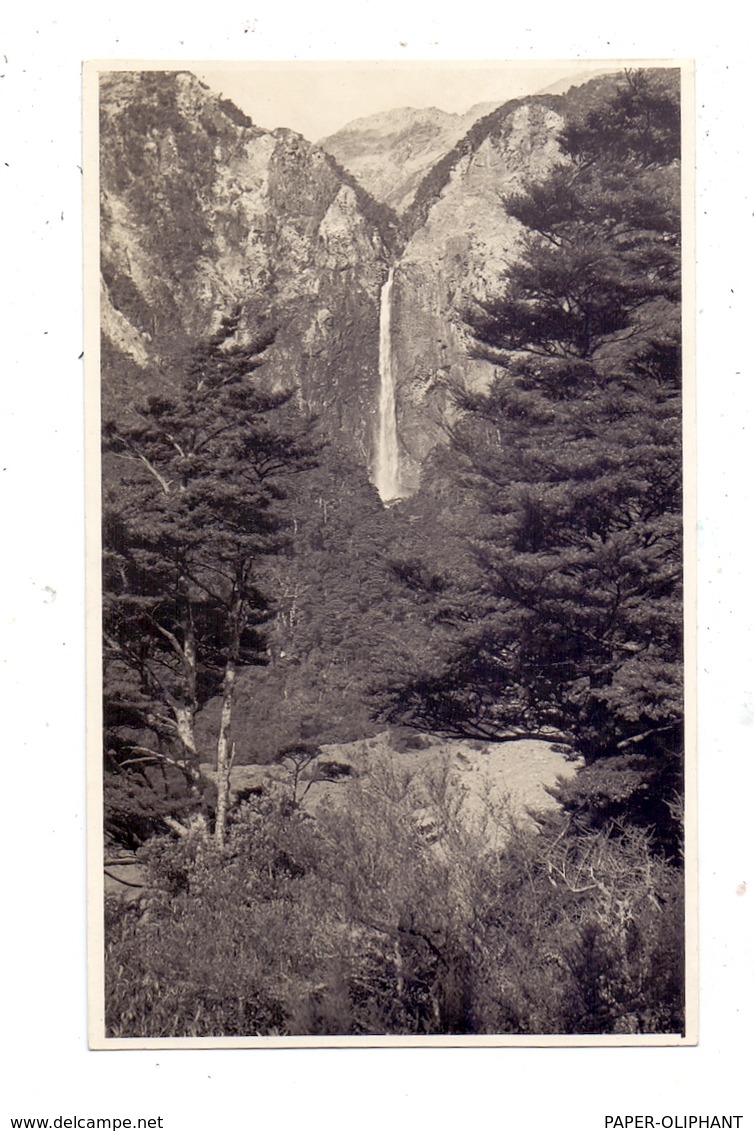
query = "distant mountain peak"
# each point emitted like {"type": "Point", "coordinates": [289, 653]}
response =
{"type": "Point", "coordinates": [400, 117]}
{"type": "Point", "coordinates": [389, 152]}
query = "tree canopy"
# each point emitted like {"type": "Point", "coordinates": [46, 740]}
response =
{"type": "Point", "coordinates": [192, 506]}
{"type": "Point", "coordinates": [572, 462]}
{"type": "Point", "coordinates": [260, 603]}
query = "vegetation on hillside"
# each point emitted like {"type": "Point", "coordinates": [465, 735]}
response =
{"type": "Point", "coordinates": [260, 603]}
{"type": "Point", "coordinates": [366, 920]}
{"type": "Point", "coordinates": [572, 464]}
{"type": "Point", "coordinates": [185, 524]}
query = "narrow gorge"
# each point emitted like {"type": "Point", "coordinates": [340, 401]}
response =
{"type": "Point", "coordinates": [392, 560]}
{"type": "Point", "coordinates": [203, 211]}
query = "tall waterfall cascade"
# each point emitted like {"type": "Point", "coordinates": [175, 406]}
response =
{"type": "Point", "coordinates": [386, 476]}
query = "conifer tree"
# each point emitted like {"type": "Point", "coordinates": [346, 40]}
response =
{"type": "Point", "coordinates": [573, 460]}
{"type": "Point", "coordinates": [191, 506]}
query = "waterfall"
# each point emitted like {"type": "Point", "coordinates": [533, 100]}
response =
{"type": "Point", "coordinates": [386, 463]}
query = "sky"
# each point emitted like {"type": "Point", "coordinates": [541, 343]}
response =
{"type": "Point", "coordinates": [318, 98]}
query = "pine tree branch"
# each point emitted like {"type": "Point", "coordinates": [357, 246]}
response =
{"type": "Point", "coordinates": [134, 454]}
{"type": "Point", "coordinates": [158, 756]}
{"type": "Point", "coordinates": [647, 734]}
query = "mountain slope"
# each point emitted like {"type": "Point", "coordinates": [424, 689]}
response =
{"type": "Point", "coordinates": [390, 152]}
{"type": "Point", "coordinates": [202, 211]}
{"type": "Point", "coordinates": [460, 241]}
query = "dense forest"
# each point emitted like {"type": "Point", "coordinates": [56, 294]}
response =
{"type": "Point", "coordinates": [265, 611]}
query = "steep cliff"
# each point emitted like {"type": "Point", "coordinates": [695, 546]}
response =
{"type": "Point", "coordinates": [461, 241]}
{"type": "Point", "coordinates": [458, 243]}
{"type": "Point", "coordinates": [201, 211]}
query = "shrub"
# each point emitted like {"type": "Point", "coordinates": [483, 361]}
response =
{"type": "Point", "coordinates": [583, 934]}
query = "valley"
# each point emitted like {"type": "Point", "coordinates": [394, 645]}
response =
{"type": "Point", "coordinates": [392, 566]}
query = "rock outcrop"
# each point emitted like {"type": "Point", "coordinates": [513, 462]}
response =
{"type": "Point", "coordinates": [391, 152]}
{"type": "Point", "coordinates": [462, 242]}
{"type": "Point", "coordinates": [202, 211]}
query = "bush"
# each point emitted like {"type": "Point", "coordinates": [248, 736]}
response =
{"type": "Point", "coordinates": [391, 912]}
{"type": "Point", "coordinates": [216, 948]}
{"type": "Point", "coordinates": [583, 934]}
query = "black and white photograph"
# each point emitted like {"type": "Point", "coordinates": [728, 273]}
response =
{"type": "Point", "coordinates": [391, 386]}
{"type": "Point", "coordinates": [380, 759]}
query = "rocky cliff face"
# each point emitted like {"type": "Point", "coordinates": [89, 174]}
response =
{"type": "Point", "coordinates": [462, 243]}
{"type": "Point", "coordinates": [458, 243]}
{"type": "Point", "coordinates": [200, 211]}
{"type": "Point", "coordinates": [390, 153]}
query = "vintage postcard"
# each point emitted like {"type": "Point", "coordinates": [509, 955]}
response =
{"type": "Point", "coordinates": [390, 385]}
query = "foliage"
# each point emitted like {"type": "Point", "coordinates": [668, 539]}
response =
{"type": "Point", "coordinates": [376, 212]}
{"type": "Point", "coordinates": [139, 797]}
{"type": "Point", "coordinates": [531, 587]}
{"type": "Point", "coordinates": [345, 618]}
{"type": "Point", "coordinates": [584, 934]}
{"type": "Point", "coordinates": [225, 941]}
{"type": "Point", "coordinates": [572, 462]}
{"type": "Point", "coordinates": [403, 910]}
{"type": "Point", "coordinates": [192, 503]}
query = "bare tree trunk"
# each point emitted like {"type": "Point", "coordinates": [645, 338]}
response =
{"type": "Point", "coordinates": [224, 755]}
{"type": "Point", "coordinates": [185, 713]}
{"type": "Point", "coordinates": [184, 723]}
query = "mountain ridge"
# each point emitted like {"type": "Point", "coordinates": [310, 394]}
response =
{"type": "Point", "coordinates": [389, 152]}
{"type": "Point", "coordinates": [201, 212]}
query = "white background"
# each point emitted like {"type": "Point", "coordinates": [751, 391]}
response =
{"type": "Point", "coordinates": [46, 1062]}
